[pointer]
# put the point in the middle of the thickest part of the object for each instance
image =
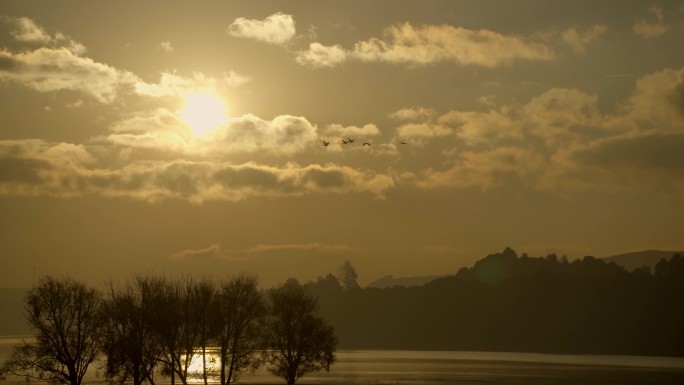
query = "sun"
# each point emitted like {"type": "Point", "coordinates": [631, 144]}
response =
{"type": "Point", "coordinates": [203, 112]}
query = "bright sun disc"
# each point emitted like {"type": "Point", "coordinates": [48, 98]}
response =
{"type": "Point", "coordinates": [203, 112]}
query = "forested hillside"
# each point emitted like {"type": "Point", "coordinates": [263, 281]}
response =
{"type": "Point", "coordinates": [511, 303]}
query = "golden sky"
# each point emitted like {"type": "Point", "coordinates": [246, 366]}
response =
{"type": "Point", "coordinates": [176, 136]}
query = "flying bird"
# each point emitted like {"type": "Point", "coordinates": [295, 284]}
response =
{"type": "Point", "coordinates": [350, 140]}
{"type": "Point", "coordinates": [325, 143]}
{"type": "Point", "coordinates": [403, 143]}
{"type": "Point", "coordinates": [344, 141]}
{"type": "Point", "coordinates": [366, 144]}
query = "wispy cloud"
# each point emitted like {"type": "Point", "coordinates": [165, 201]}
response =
{"type": "Point", "coordinates": [26, 30]}
{"type": "Point", "coordinates": [278, 28]}
{"type": "Point", "coordinates": [211, 252]}
{"type": "Point", "coordinates": [55, 69]}
{"type": "Point", "coordinates": [331, 248]}
{"type": "Point", "coordinates": [319, 55]}
{"type": "Point", "coordinates": [579, 39]}
{"type": "Point", "coordinates": [428, 44]}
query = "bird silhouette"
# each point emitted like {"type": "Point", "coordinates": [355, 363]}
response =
{"type": "Point", "coordinates": [344, 141]}
{"type": "Point", "coordinates": [366, 144]}
{"type": "Point", "coordinates": [325, 143]}
{"type": "Point", "coordinates": [403, 143]}
{"type": "Point", "coordinates": [350, 140]}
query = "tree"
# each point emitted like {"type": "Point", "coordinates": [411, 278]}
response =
{"type": "Point", "coordinates": [299, 340]}
{"type": "Point", "coordinates": [177, 327]}
{"type": "Point", "coordinates": [238, 307]}
{"type": "Point", "coordinates": [347, 276]}
{"type": "Point", "coordinates": [66, 317]}
{"type": "Point", "coordinates": [202, 296]}
{"type": "Point", "coordinates": [130, 344]}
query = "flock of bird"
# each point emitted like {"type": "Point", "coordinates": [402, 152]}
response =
{"type": "Point", "coordinates": [350, 140]}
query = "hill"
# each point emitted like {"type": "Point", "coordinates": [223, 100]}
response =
{"type": "Point", "coordinates": [506, 302]}
{"type": "Point", "coordinates": [637, 259]}
{"type": "Point", "coordinates": [390, 281]}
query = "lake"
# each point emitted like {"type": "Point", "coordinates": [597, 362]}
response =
{"type": "Point", "coordinates": [465, 368]}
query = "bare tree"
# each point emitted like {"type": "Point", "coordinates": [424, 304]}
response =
{"type": "Point", "coordinates": [66, 317]}
{"type": "Point", "coordinates": [299, 340]}
{"type": "Point", "coordinates": [238, 308]}
{"type": "Point", "coordinates": [130, 345]}
{"type": "Point", "coordinates": [176, 327]}
{"type": "Point", "coordinates": [202, 295]}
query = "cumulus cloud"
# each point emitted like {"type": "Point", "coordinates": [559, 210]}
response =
{"type": "Point", "coordinates": [560, 140]}
{"type": "Point", "coordinates": [657, 103]}
{"type": "Point", "coordinates": [278, 28]}
{"type": "Point", "coordinates": [164, 130]}
{"type": "Point", "coordinates": [55, 69]}
{"type": "Point", "coordinates": [650, 29]}
{"type": "Point", "coordinates": [39, 168]}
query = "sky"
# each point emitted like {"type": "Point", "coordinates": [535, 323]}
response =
{"type": "Point", "coordinates": [189, 137]}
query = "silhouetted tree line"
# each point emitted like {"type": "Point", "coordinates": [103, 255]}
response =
{"type": "Point", "coordinates": [507, 302]}
{"type": "Point", "coordinates": [153, 325]}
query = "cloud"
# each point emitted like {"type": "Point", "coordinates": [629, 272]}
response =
{"type": "Point", "coordinates": [55, 69]}
{"type": "Point", "coordinates": [503, 166]}
{"type": "Point", "coordinates": [27, 31]}
{"type": "Point", "coordinates": [319, 55]}
{"type": "Point", "coordinates": [429, 44]}
{"type": "Point", "coordinates": [651, 29]}
{"type": "Point", "coordinates": [561, 141]}
{"type": "Point", "coordinates": [443, 43]}
{"type": "Point", "coordinates": [211, 252]}
{"type": "Point", "coordinates": [234, 79]}
{"type": "Point", "coordinates": [422, 130]}
{"type": "Point", "coordinates": [39, 168]}
{"type": "Point", "coordinates": [413, 114]}
{"type": "Point", "coordinates": [166, 46]}
{"type": "Point", "coordinates": [278, 28]}
{"type": "Point", "coordinates": [657, 102]}
{"type": "Point", "coordinates": [322, 247]}
{"type": "Point", "coordinates": [578, 40]}
{"type": "Point", "coordinates": [346, 131]}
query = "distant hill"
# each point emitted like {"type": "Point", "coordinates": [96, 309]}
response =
{"type": "Point", "coordinates": [390, 281]}
{"type": "Point", "coordinates": [12, 312]}
{"type": "Point", "coordinates": [506, 302]}
{"type": "Point", "coordinates": [634, 260]}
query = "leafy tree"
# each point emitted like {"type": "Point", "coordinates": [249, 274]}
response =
{"type": "Point", "coordinates": [299, 340]}
{"type": "Point", "coordinates": [66, 317]}
{"type": "Point", "coordinates": [237, 309]}
{"type": "Point", "coordinates": [130, 345]}
{"type": "Point", "coordinates": [347, 276]}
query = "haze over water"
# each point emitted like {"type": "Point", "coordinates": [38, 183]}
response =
{"type": "Point", "coordinates": [449, 367]}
